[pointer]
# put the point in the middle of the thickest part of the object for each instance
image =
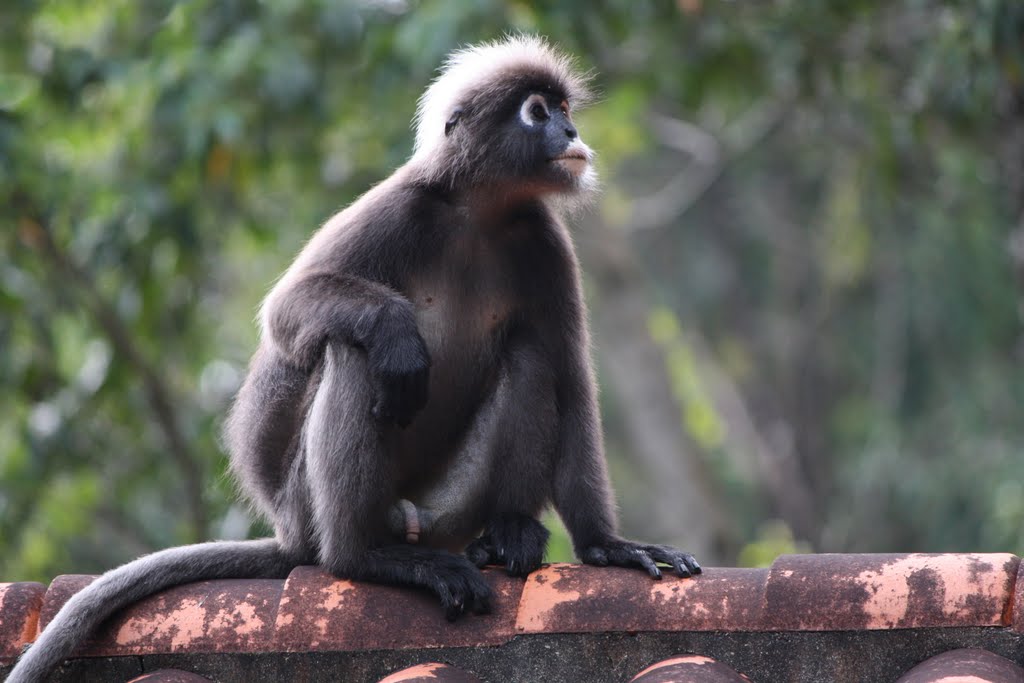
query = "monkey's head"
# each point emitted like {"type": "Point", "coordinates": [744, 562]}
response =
{"type": "Point", "coordinates": [500, 114]}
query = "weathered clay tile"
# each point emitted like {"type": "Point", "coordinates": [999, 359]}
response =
{"type": "Point", "coordinates": [232, 615]}
{"type": "Point", "coordinates": [689, 669]}
{"type": "Point", "coordinates": [20, 604]}
{"type": "Point", "coordinates": [60, 591]}
{"type": "Point", "coordinates": [849, 592]}
{"type": "Point", "coordinates": [425, 673]}
{"type": "Point", "coordinates": [320, 612]}
{"type": "Point", "coordinates": [565, 598]}
{"type": "Point", "coordinates": [971, 665]}
{"type": "Point", "coordinates": [1017, 610]}
{"type": "Point", "coordinates": [170, 676]}
{"type": "Point", "coordinates": [313, 611]}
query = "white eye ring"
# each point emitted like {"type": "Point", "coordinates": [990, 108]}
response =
{"type": "Point", "coordinates": [527, 111]}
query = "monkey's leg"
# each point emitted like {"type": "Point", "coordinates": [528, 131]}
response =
{"type": "Point", "coordinates": [351, 482]}
{"type": "Point", "coordinates": [522, 436]}
{"type": "Point", "coordinates": [262, 429]}
{"type": "Point", "coordinates": [263, 435]}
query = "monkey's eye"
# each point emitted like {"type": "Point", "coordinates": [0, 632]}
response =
{"type": "Point", "coordinates": [534, 110]}
{"type": "Point", "coordinates": [565, 108]}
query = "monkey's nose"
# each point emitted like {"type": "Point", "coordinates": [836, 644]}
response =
{"type": "Point", "coordinates": [570, 132]}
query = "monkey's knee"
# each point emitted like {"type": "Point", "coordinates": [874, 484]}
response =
{"type": "Point", "coordinates": [339, 416]}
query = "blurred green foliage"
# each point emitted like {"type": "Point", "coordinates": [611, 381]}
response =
{"type": "Point", "coordinates": [853, 271]}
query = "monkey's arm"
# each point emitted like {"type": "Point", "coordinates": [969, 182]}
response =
{"type": "Point", "coordinates": [305, 312]}
{"type": "Point", "coordinates": [582, 492]}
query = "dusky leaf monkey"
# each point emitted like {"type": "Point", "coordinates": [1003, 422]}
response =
{"type": "Point", "coordinates": [423, 384]}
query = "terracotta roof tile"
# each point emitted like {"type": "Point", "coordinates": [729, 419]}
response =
{"type": "Point", "coordinates": [689, 669]}
{"type": "Point", "coordinates": [851, 592]}
{"type": "Point", "coordinates": [20, 604]}
{"type": "Point", "coordinates": [970, 665]}
{"type": "Point", "coordinates": [564, 598]}
{"type": "Point", "coordinates": [60, 591]}
{"type": "Point", "coordinates": [745, 619]}
{"type": "Point", "coordinates": [232, 615]}
{"type": "Point", "coordinates": [320, 612]}
{"type": "Point", "coordinates": [1016, 606]}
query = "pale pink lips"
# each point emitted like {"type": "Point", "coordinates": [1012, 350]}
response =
{"type": "Point", "coordinates": [573, 161]}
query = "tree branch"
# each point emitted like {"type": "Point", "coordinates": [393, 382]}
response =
{"type": "Point", "coordinates": [710, 158]}
{"type": "Point", "coordinates": [80, 285]}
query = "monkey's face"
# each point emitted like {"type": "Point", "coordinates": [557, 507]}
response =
{"type": "Point", "coordinates": [541, 146]}
{"type": "Point", "coordinates": [547, 124]}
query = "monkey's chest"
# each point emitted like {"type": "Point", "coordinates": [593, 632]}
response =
{"type": "Point", "coordinates": [462, 310]}
{"type": "Point", "coordinates": [464, 324]}
{"type": "Point", "coordinates": [464, 329]}
{"type": "Point", "coordinates": [464, 320]}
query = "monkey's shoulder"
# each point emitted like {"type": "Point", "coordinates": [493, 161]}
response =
{"type": "Point", "coordinates": [403, 212]}
{"type": "Point", "coordinates": [395, 218]}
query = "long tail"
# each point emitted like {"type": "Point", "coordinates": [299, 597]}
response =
{"type": "Point", "coordinates": [130, 583]}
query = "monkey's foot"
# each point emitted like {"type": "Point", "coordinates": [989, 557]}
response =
{"type": "Point", "coordinates": [452, 578]}
{"type": "Point", "coordinates": [622, 553]}
{"type": "Point", "coordinates": [516, 542]}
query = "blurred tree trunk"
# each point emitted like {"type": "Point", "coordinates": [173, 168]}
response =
{"type": "Point", "coordinates": [683, 506]}
{"type": "Point", "coordinates": [1012, 160]}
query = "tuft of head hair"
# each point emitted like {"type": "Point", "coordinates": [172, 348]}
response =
{"type": "Point", "coordinates": [485, 70]}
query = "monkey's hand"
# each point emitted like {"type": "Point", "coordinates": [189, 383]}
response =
{"type": "Point", "coordinates": [516, 542]}
{"type": "Point", "coordinates": [400, 371]}
{"type": "Point", "coordinates": [622, 553]}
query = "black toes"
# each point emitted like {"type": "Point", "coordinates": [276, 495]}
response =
{"type": "Point", "coordinates": [479, 552]}
{"type": "Point", "coordinates": [462, 588]}
{"type": "Point", "coordinates": [458, 585]}
{"type": "Point", "coordinates": [596, 556]}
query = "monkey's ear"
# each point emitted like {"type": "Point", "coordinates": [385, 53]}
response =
{"type": "Point", "coordinates": [449, 125]}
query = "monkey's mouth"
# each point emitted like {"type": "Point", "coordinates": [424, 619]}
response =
{"type": "Point", "coordinates": [573, 161]}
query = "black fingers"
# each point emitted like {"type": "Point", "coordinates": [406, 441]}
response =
{"type": "Point", "coordinates": [684, 564]}
{"type": "Point", "coordinates": [626, 554]}
{"type": "Point", "coordinates": [621, 553]}
{"type": "Point", "coordinates": [400, 367]}
{"type": "Point", "coordinates": [517, 542]}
